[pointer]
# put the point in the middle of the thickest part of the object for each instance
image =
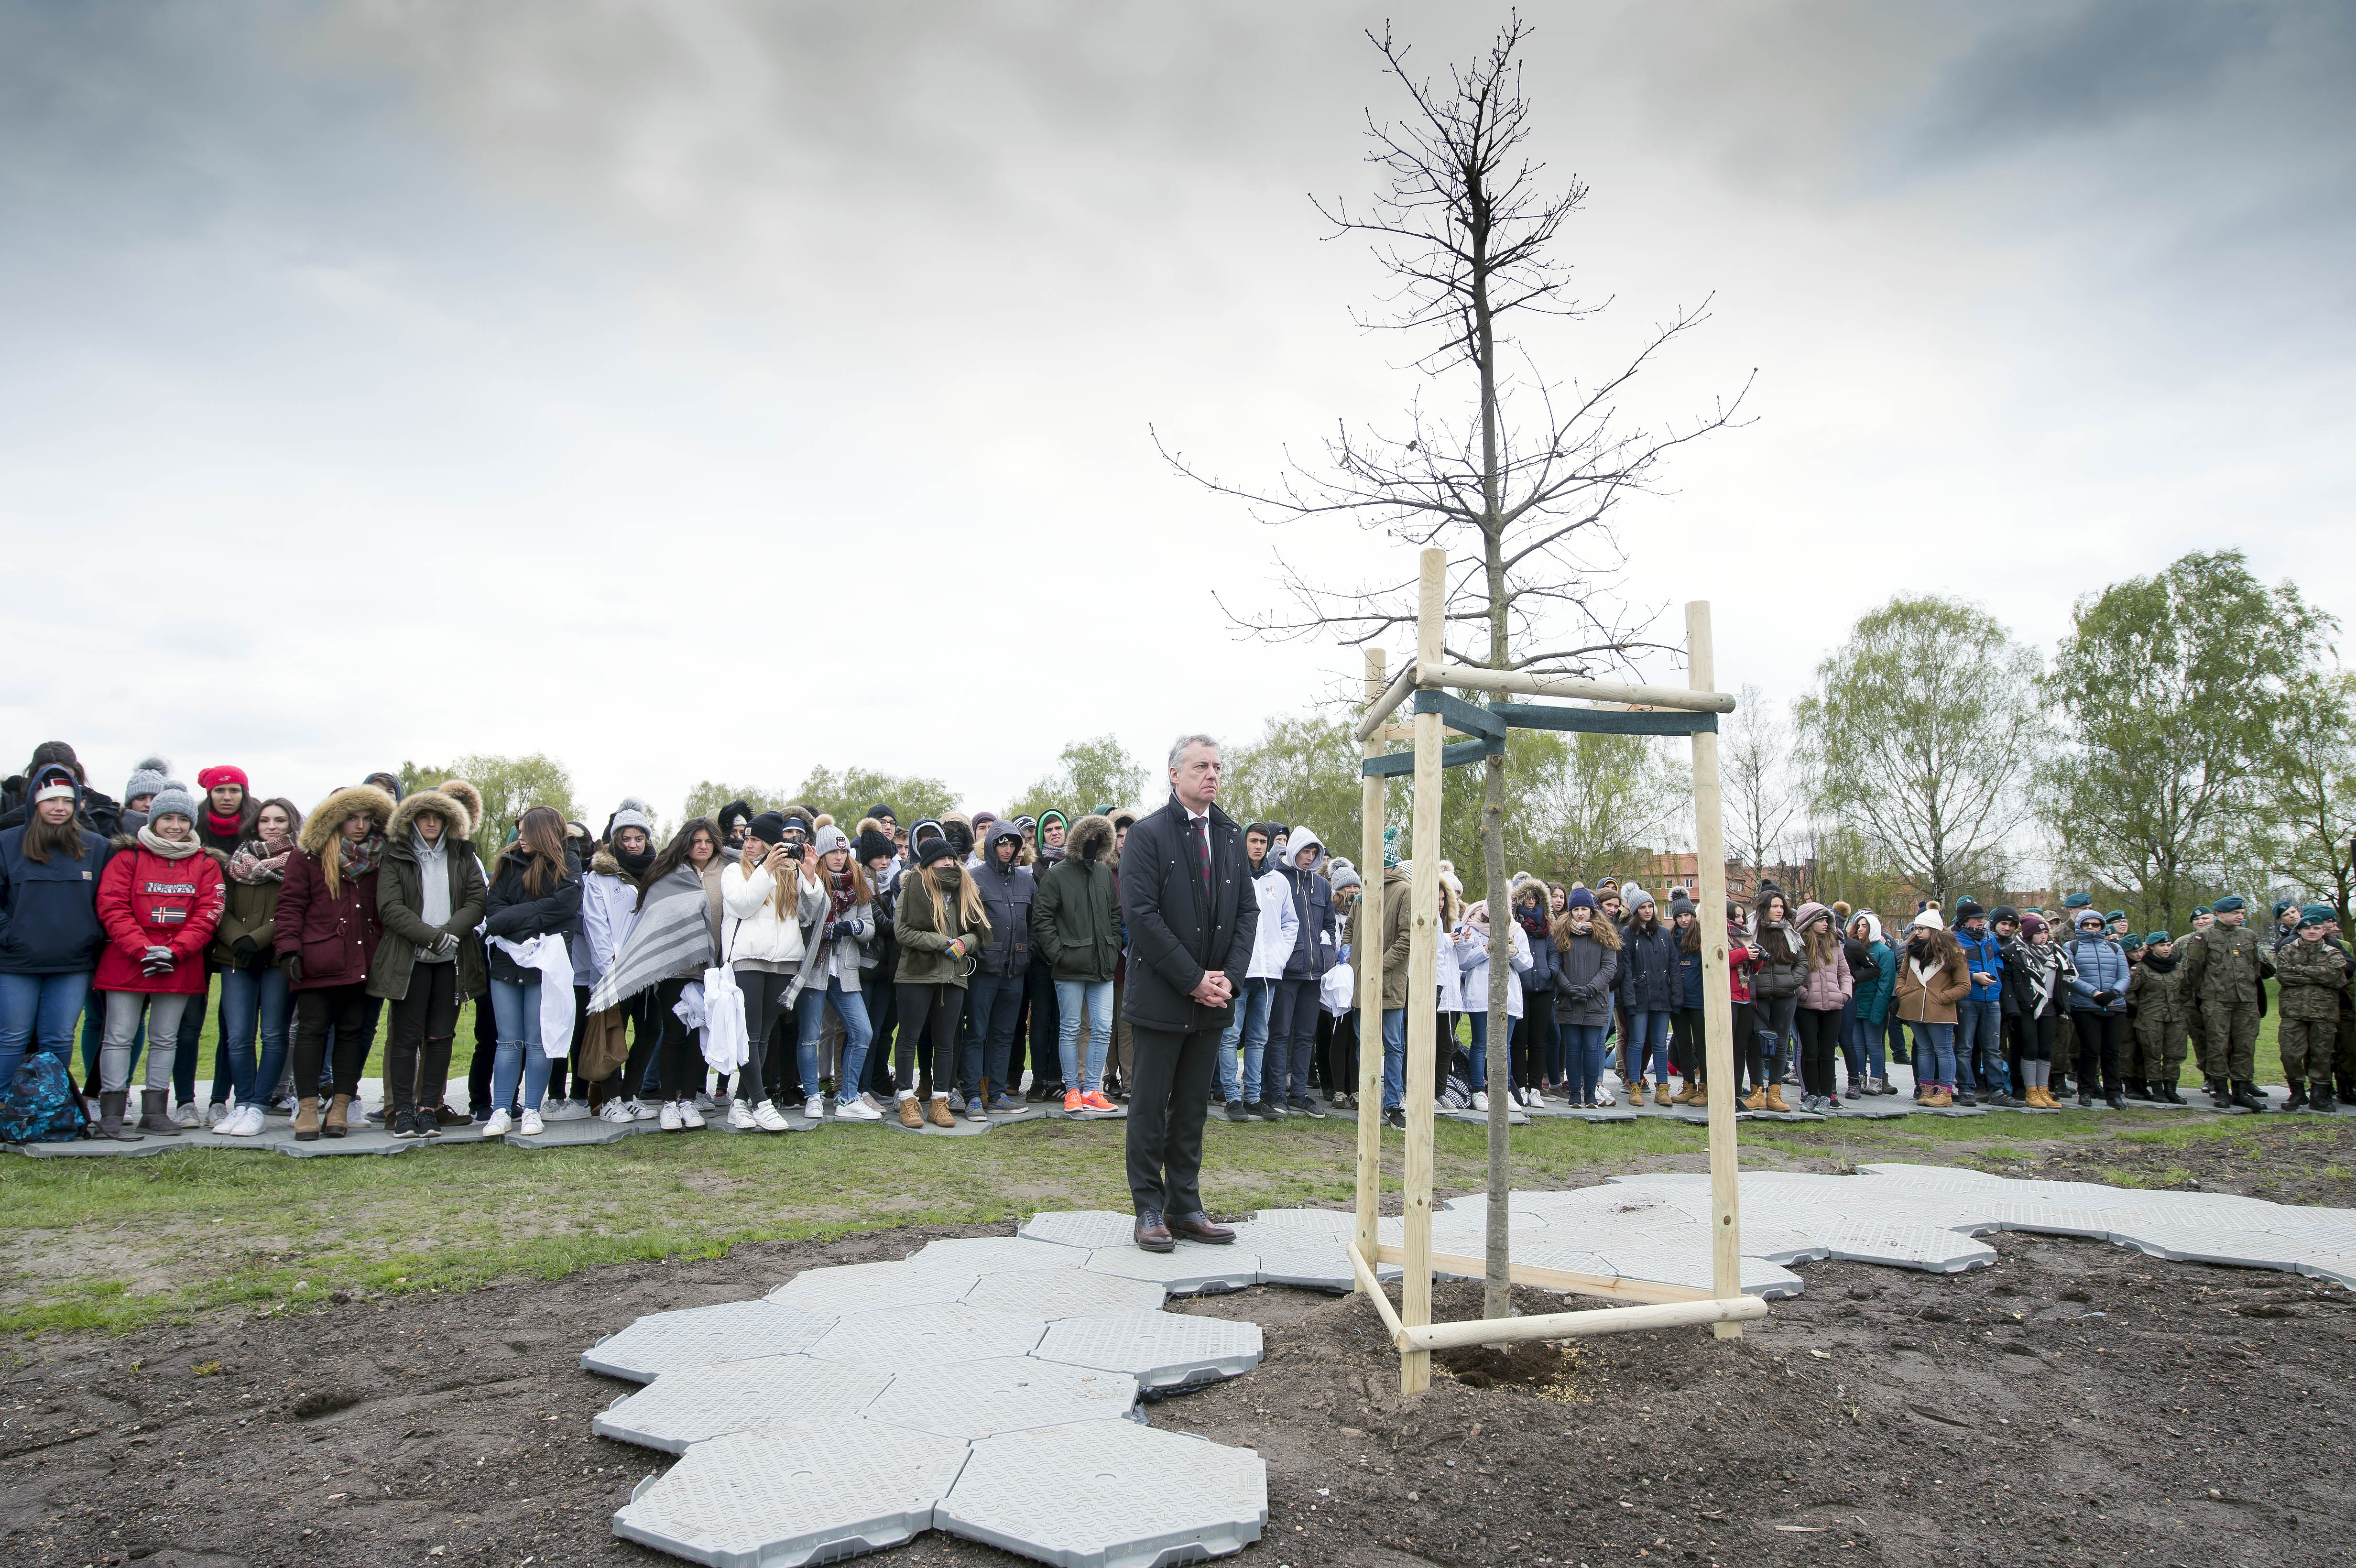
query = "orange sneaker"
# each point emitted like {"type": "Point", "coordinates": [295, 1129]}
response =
{"type": "Point", "coordinates": [1073, 1101]}
{"type": "Point", "coordinates": [1094, 1101]}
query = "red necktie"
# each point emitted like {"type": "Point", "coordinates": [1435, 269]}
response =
{"type": "Point", "coordinates": [1202, 851]}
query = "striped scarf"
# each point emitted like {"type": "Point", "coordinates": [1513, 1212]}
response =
{"type": "Point", "coordinates": [672, 940]}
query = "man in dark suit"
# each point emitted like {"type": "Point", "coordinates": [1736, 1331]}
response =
{"type": "Point", "coordinates": [1185, 896]}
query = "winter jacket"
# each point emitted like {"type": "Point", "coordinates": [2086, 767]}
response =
{"type": "Point", "coordinates": [1007, 892]}
{"type": "Point", "coordinates": [1588, 977]}
{"type": "Point", "coordinates": [2162, 1007]}
{"type": "Point", "coordinates": [1076, 913]}
{"type": "Point", "coordinates": [512, 913]}
{"type": "Point", "coordinates": [1279, 925]}
{"type": "Point", "coordinates": [334, 935]}
{"type": "Point", "coordinates": [401, 904]}
{"type": "Point", "coordinates": [1873, 995]}
{"type": "Point", "coordinates": [1743, 960]}
{"type": "Point", "coordinates": [925, 956]}
{"type": "Point", "coordinates": [1775, 978]}
{"type": "Point", "coordinates": [1984, 954]}
{"type": "Point", "coordinates": [2102, 966]}
{"type": "Point", "coordinates": [1542, 959]}
{"type": "Point", "coordinates": [1397, 931]}
{"type": "Point", "coordinates": [1448, 970]}
{"type": "Point", "coordinates": [751, 932]}
{"type": "Point", "coordinates": [1650, 978]}
{"type": "Point", "coordinates": [1316, 940]}
{"type": "Point", "coordinates": [1825, 989]}
{"type": "Point", "coordinates": [147, 901]}
{"type": "Point", "coordinates": [48, 912]}
{"type": "Point", "coordinates": [1929, 995]}
{"type": "Point", "coordinates": [2226, 967]}
{"type": "Point", "coordinates": [1690, 994]}
{"type": "Point", "coordinates": [1178, 930]}
{"type": "Point", "coordinates": [1471, 958]}
{"type": "Point", "coordinates": [250, 914]}
{"type": "Point", "coordinates": [609, 909]}
{"type": "Point", "coordinates": [2312, 974]}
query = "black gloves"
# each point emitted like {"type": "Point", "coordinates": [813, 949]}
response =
{"type": "Point", "coordinates": [292, 967]}
{"type": "Point", "coordinates": [242, 950]}
{"type": "Point", "coordinates": [2105, 998]}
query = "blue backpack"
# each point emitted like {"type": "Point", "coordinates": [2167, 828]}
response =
{"type": "Point", "coordinates": [40, 1107]}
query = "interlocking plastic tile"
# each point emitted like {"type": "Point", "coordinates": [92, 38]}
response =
{"type": "Point", "coordinates": [1011, 1394]}
{"type": "Point", "coordinates": [1050, 1294]}
{"type": "Point", "coordinates": [1160, 1349]}
{"type": "Point", "coordinates": [811, 1491]}
{"type": "Point", "coordinates": [868, 1287]}
{"type": "Point", "coordinates": [705, 1336]}
{"type": "Point", "coordinates": [994, 1254]}
{"type": "Point", "coordinates": [684, 1407]}
{"type": "Point", "coordinates": [2197, 1243]}
{"type": "Point", "coordinates": [1337, 1221]}
{"type": "Point", "coordinates": [1081, 1228]}
{"type": "Point", "coordinates": [1193, 1270]}
{"type": "Point", "coordinates": [1903, 1245]}
{"type": "Point", "coordinates": [1311, 1261]}
{"type": "Point", "coordinates": [2052, 1219]}
{"type": "Point", "coordinates": [1691, 1266]}
{"type": "Point", "coordinates": [928, 1336]}
{"type": "Point", "coordinates": [1126, 1496]}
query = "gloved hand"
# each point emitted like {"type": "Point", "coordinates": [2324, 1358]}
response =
{"type": "Point", "coordinates": [2105, 998]}
{"type": "Point", "coordinates": [156, 960]}
{"type": "Point", "coordinates": [444, 945]}
{"type": "Point", "coordinates": [242, 950]}
{"type": "Point", "coordinates": [292, 967]}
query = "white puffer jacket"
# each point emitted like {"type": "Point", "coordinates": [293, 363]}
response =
{"type": "Point", "coordinates": [1473, 954]}
{"type": "Point", "coordinates": [1279, 925]}
{"type": "Point", "coordinates": [750, 929]}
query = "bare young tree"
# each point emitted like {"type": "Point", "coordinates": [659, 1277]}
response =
{"type": "Point", "coordinates": [1755, 781]}
{"type": "Point", "coordinates": [1516, 475]}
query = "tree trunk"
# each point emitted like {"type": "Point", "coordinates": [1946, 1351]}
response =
{"type": "Point", "coordinates": [1496, 1288]}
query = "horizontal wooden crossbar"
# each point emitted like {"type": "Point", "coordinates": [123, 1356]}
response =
{"type": "Point", "coordinates": [1602, 721]}
{"type": "Point", "coordinates": [1454, 756]}
{"type": "Point", "coordinates": [1609, 1285]}
{"type": "Point", "coordinates": [1655, 1305]}
{"type": "Point", "coordinates": [1460, 715]}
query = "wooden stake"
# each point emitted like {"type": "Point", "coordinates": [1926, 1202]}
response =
{"type": "Point", "coordinates": [1434, 673]}
{"type": "Point", "coordinates": [1368, 956]}
{"type": "Point", "coordinates": [1716, 1002]}
{"type": "Point", "coordinates": [1422, 986]}
{"type": "Point", "coordinates": [1580, 1324]}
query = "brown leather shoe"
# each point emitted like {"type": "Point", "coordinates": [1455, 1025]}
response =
{"type": "Point", "coordinates": [338, 1116]}
{"type": "Point", "coordinates": [1197, 1227]}
{"type": "Point", "coordinates": [306, 1118]}
{"type": "Point", "coordinates": [911, 1114]}
{"type": "Point", "coordinates": [1154, 1235]}
{"type": "Point", "coordinates": [942, 1115]}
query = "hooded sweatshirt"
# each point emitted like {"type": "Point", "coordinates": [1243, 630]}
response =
{"type": "Point", "coordinates": [1315, 941]}
{"type": "Point", "coordinates": [1279, 932]}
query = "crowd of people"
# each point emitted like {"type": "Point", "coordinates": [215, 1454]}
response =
{"type": "Point", "coordinates": [757, 964]}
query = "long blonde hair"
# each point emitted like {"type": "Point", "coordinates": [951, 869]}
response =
{"type": "Point", "coordinates": [970, 914]}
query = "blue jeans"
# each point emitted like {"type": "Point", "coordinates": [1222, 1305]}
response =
{"type": "Point", "coordinates": [1093, 999]}
{"type": "Point", "coordinates": [1546, 1042]}
{"type": "Point", "coordinates": [809, 1014]}
{"type": "Point", "coordinates": [1648, 1043]}
{"type": "Point", "coordinates": [1582, 1051]}
{"type": "Point", "coordinates": [38, 1013]}
{"type": "Point", "coordinates": [255, 1000]}
{"type": "Point", "coordinates": [1935, 1055]}
{"type": "Point", "coordinates": [1980, 1044]}
{"type": "Point", "coordinates": [1861, 1043]}
{"type": "Point", "coordinates": [1291, 1037]}
{"type": "Point", "coordinates": [1394, 1057]}
{"type": "Point", "coordinates": [1479, 1055]}
{"type": "Point", "coordinates": [993, 1006]}
{"type": "Point", "coordinates": [517, 1009]}
{"type": "Point", "coordinates": [1248, 1023]}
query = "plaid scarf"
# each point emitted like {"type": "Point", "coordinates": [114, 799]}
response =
{"type": "Point", "coordinates": [353, 861]}
{"type": "Point", "coordinates": [843, 895]}
{"type": "Point", "coordinates": [253, 864]}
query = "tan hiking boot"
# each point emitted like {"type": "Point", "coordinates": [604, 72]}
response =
{"type": "Point", "coordinates": [1755, 1101]}
{"type": "Point", "coordinates": [306, 1118]}
{"type": "Point", "coordinates": [1691, 1094]}
{"type": "Point", "coordinates": [1775, 1098]}
{"type": "Point", "coordinates": [911, 1114]}
{"type": "Point", "coordinates": [942, 1115]}
{"type": "Point", "coordinates": [338, 1120]}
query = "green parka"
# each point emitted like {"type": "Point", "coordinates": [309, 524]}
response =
{"type": "Point", "coordinates": [401, 896]}
{"type": "Point", "coordinates": [1075, 913]}
{"type": "Point", "coordinates": [925, 956]}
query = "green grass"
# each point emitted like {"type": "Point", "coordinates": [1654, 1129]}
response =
{"type": "Point", "coordinates": [115, 1244]}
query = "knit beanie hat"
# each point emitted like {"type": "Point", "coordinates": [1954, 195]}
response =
{"type": "Point", "coordinates": [149, 777]}
{"type": "Point", "coordinates": [2317, 915]}
{"type": "Point", "coordinates": [173, 800]}
{"type": "Point", "coordinates": [633, 814]}
{"type": "Point", "coordinates": [213, 778]}
{"type": "Point", "coordinates": [52, 780]}
{"type": "Point", "coordinates": [881, 810]}
{"type": "Point", "coordinates": [2031, 925]}
{"type": "Point", "coordinates": [1579, 898]}
{"type": "Point", "coordinates": [874, 845]}
{"type": "Point", "coordinates": [1680, 904]}
{"type": "Point", "coordinates": [1635, 897]}
{"type": "Point", "coordinates": [1967, 908]}
{"type": "Point", "coordinates": [936, 847]}
{"type": "Point", "coordinates": [1343, 874]}
{"type": "Point", "coordinates": [831, 838]}
{"type": "Point", "coordinates": [1927, 917]}
{"type": "Point", "coordinates": [769, 827]}
{"type": "Point", "coordinates": [1057, 816]}
{"type": "Point", "coordinates": [2002, 913]}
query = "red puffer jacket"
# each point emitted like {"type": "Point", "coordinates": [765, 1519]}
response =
{"type": "Point", "coordinates": [146, 900]}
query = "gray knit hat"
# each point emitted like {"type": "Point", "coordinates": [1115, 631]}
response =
{"type": "Point", "coordinates": [173, 800]}
{"type": "Point", "coordinates": [830, 838]}
{"type": "Point", "coordinates": [150, 775]}
{"type": "Point", "coordinates": [633, 814]}
{"type": "Point", "coordinates": [1343, 874]}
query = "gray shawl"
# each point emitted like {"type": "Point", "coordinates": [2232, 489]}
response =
{"type": "Point", "coordinates": [671, 941]}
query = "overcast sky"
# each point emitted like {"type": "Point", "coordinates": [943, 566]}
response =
{"type": "Point", "coordinates": [715, 390]}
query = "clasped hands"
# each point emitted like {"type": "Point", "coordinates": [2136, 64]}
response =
{"type": "Point", "coordinates": [1213, 989]}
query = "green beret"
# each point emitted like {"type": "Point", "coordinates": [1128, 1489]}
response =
{"type": "Point", "coordinates": [2202, 909]}
{"type": "Point", "coordinates": [2157, 939]}
{"type": "Point", "coordinates": [2282, 906]}
{"type": "Point", "coordinates": [2078, 900]}
{"type": "Point", "coordinates": [2131, 941]}
{"type": "Point", "coordinates": [2318, 914]}
{"type": "Point", "coordinates": [2229, 903]}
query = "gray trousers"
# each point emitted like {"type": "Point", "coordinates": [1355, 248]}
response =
{"type": "Point", "coordinates": [123, 1011]}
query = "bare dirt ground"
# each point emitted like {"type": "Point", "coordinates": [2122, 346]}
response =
{"type": "Point", "coordinates": [2076, 1402]}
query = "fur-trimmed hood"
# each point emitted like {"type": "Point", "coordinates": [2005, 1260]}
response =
{"type": "Point", "coordinates": [468, 795]}
{"type": "Point", "coordinates": [456, 821]}
{"type": "Point", "coordinates": [1095, 826]}
{"type": "Point", "coordinates": [325, 820]}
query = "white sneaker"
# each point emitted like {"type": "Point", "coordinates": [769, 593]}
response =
{"type": "Point", "coordinates": [857, 1110]}
{"type": "Point", "coordinates": [497, 1127]}
{"type": "Point", "coordinates": [1603, 1098]}
{"type": "Point", "coordinates": [671, 1123]}
{"type": "Point", "coordinates": [688, 1116]}
{"type": "Point", "coordinates": [770, 1119]}
{"type": "Point", "coordinates": [740, 1116]}
{"type": "Point", "coordinates": [567, 1111]}
{"type": "Point", "coordinates": [705, 1102]}
{"type": "Point", "coordinates": [871, 1103]}
{"type": "Point", "coordinates": [641, 1111]}
{"type": "Point", "coordinates": [532, 1126]}
{"type": "Point", "coordinates": [1480, 1100]}
{"type": "Point", "coordinates": [815, 1107]}
{"type": "Point", "coordinates": [188, 1115]}
{"type": "Point", "coordinates": [241, 1122]}
{"type": "Point", "coordinates": [216, 1114]}
{"type": "Point", "coordinates": [615, 1111]}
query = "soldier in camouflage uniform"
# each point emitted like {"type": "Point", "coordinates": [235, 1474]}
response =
{"type": "Point", "coordinates": [2313, 974]}
{"type": "Point", "coordinates": [2224, 971]}
{"type": "Point", "coordinates": [2212, 1073]}
{"type": "Point", "coordinates": [2162, 1014]}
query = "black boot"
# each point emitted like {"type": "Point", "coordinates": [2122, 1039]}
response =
{"type": "Point", "coordinates": [110, 1116]}
{"type": "Point", "coordinates": [155, 1112]}
{"type": "Point", "coordinates": [2347, 1090]}
{"type": "Point", "coordinates": [2298, 1100]}
{"type": "Point", "coordinates": [2245, 1094]}
{"type": "Point", "coordinates": [2116, 1099]}
{"type": "Point", "coordinates": [2221, 1094]}
{"type": "Point", "coordinates": [2168, 1095]}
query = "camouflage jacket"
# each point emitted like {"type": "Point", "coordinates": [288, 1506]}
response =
{"type": "Point", "coordinates": [2224, 964]}
{"type": "Point", "coordinates": [2158, 999]}
{"type": "Point", "coordinates": [2313, 975]}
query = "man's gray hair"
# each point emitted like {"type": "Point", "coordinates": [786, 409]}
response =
{"type": "Point", "coordinates": [1178, 747]}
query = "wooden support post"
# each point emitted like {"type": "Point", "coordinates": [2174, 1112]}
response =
{"type": "Point", "coordinates": [1367, 954]}
{"type": "Point", "coordinates": [1580, 1324]}
{"type": "Point", "coordinates": [1717, 1003]}
{"type": "Point", "coordinates": [1422, 985]}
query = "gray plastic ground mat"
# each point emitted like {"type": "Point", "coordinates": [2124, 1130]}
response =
{"type": "Point", "coordinates": [1127, 1496]}
{"type": "Point", "coordinates": [1009, 1393]}
{"type": "Point", "coordinates": [686, 1407]}
{"type": "Point", "coordinates": [806, 1491]}
{"type": "Point", "coordinates": [927, 1336]}
{"type": "Point", "coordinates": [994, 1254]}
{"type": "Point", "coordinates": [1064, 1293]}
{"type": "Point", "coordinates": [866, 1288]}
{"type": "Point", "coordinates": [1086, 1228]}
{"type": "Point", "coordinates": [1160, 1349]}
{"type": "Point", "coordinates": [705, 1336]}
{"type": "Point", "coordinates": [1194, 1269]}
